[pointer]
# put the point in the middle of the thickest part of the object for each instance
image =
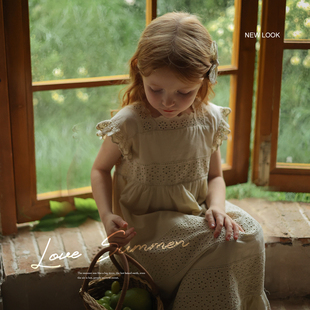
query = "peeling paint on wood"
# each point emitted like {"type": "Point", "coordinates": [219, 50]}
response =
{"type": "Point", "coordinates": [264, 161]}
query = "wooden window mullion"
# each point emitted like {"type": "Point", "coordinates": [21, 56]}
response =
{"type": "Point", "coordinates": [268, 62]}
{"type": "Point", "coordinates": [151, 11]}
{"type": "Point", "coordinates": [19, 87]}
{"type": "Point", "coordinates": [80, 83]}
{"type": "Point", "coordinates": [241, 92]}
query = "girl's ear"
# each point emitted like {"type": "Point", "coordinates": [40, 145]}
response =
{"type": "Point", "coordinates": [203, 90]}
{"type": "Point", "coordinates": [134, 67]}
{"type": "Point", "coordinates": [134, 64]}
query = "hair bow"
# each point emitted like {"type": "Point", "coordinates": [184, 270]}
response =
{"type": "Point", "coordinates": [213, 72]}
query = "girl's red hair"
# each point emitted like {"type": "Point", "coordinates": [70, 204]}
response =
{"type": "Point", "coordinates": [177, 41]}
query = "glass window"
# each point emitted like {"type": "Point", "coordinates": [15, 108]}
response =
{"type": "Point", "coordinates": [65, 135]}
{"type": "Point", "coordinates": [216, 16]}
{"type": "Point", "coordinates": [221, 98]}
{"type": "Point", "coordinates": [294, 128]}
{"type": "Point", "coordinates": [297, 21]}
{"type": "Point", "coordinates": [78, 39]}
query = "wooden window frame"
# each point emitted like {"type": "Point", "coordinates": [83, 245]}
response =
{"type": "Point", "coordinates": [7, 186]}
{"type": "Point", "coordinates": [20, 120]}
{"type": "Point", "coordinates": [266, 170]}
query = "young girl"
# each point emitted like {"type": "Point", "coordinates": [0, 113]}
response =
{"type": "Point", "coordinates": [168, 193]}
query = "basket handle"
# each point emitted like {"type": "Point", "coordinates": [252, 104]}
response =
{"type": "Point", "coordinates": [146, 275]}
{"type": "Point", "coordinates": [113, 250]}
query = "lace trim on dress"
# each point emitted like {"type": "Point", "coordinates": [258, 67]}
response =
{"type": "Point", "coordinates": [111, 128]}
{"type": "Point", "coordinates": [166, 174]}
{"type": "Point", "coordinates": [222, 131]}
{"type": "Point", "coordinates": [198, 116]}
{"type": "Point", "coordinates": [161, 123]}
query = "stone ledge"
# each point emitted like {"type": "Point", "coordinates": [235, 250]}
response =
{"type": "Point", "coordinates": [21, 252]}
{"type": "Point", "coordinates": [282, 222]}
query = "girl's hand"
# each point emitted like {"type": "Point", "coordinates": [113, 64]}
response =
{"type": "Point", "coordinates": [217, 219]}
{"type": "Point", "coordinates": [115, 228]}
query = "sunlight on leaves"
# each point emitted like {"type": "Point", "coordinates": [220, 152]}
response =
{"type": "Point", "coordinates": [85, 205]}
{"type": "Point", "coordinates": [60, 208]}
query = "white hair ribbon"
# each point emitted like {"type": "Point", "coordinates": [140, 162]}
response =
{"type": "Point", "coordinates": [213, 72]}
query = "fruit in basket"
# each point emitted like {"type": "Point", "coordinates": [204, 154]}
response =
{"type": "Point", "coordinates": [114, 299]}
{"type": "Point", "coordinates": [108, 293]}
{"type": "Point", "coordinates": [100, 302]}
{"type": "Point", "coordinates": [138, 299]}
{"type": "Point", "coordinates": [115, 287]}
{"type": "Point", "coordinates": [135, 299]}
{"type": "Point", "coordinates": [105, 299]}
{"type": "Point", "coordinates": [104, 304]}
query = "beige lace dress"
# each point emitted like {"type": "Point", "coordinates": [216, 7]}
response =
{"type": "Point", "coordinates": [160, 187]}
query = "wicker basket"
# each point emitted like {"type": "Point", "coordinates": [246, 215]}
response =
{"type": "Point", "coordinates": [94, 290]}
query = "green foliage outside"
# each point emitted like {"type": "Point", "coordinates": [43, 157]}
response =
{"type": "Point", "coordinates": [62, 214]}
{"type": "Point", "coordinates": [78, 38]}
{"type": "Point", "coordinates": [249, 190]}
{"type": "Point", "coordinates": [294, 129]}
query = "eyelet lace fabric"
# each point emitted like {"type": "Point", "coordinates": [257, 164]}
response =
{"type": "Point", "coordinates": [224, 287]}
{"type": "Point", "coordinates": [112, 128]}
{"type": "Point", "coordinates": [161, 123]}
{"type": "Point", "coordinates": [187, 120]}
{"type": "Point", "coordinates": [148, 123]}
{"type": "Point", "coordinates": [233, 284]}
{"type": "Point", "coordinates": [222, 131]}
{"type": "Point", "coordinates": [165, 174]}
{"type": "Point", "coordinates": [193, 232]}
{"type": "Point", "coordinates": [172, 172]}
{"type": "Point", "coordinates": [198, 117]}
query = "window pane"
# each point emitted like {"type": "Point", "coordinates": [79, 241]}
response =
{"type": "Point", "coordinates": [65, 134]}
{"type": "Point", "coordinates": [216, 16]}
{"type": "Point", "coordinates": [294, 129]}
{"type": "Point", "coordinates": [297, 21]}
{"type": "Point", "coordinates": [222, 93]}
{"type": "Point", "coordinates": [83, 38]}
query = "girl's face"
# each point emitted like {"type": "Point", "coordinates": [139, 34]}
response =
{"type": "Point", "coordinates": [167, 95]}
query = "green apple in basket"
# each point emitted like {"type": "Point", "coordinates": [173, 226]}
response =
{"type": "Point", "coordinates": [115, 287]}
{"type": "Point", "coordinates": [104, 303]}
{"type": "Point", "coordinates": [135, 298]}
{"type": "Point", "coordinates": [105, 300]}
{"type": "Point", "coordinates": [114, 299]}
{"type": "Point", "coordinates": [108, 293]}
{"type": "Point", "coordinates": [138, 299]}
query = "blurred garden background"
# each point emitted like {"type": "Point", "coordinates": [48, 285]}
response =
{"type": "Point", "coordinates": [80, 39]}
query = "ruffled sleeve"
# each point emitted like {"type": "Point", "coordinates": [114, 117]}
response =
{"type": "Point", "coordinates": [121, 129]}
{"type": "Point", "coordinates": [221, 129]}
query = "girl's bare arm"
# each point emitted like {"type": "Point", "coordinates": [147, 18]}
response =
{"type": "Point", "coordinates": [216, 215]}
{"type": "Point", "coordinates": [101, 183]}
